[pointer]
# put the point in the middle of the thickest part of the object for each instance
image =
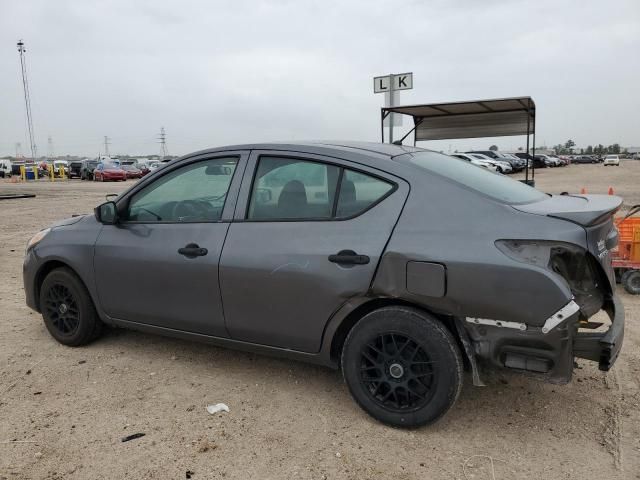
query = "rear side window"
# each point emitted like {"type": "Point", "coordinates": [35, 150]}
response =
{"type": "Point", "coordinates": [286, 188]}
{"type": "Point", "coordinates": [358, 192]}
{"type": "Point", "coordinates": [295, 189]}
{"type": "Point", "coordinates": [480, 179]}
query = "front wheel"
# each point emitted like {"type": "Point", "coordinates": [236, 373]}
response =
{"type": "Point", "coordinates": [402, 366]}
{"type": "Point", "coordinates": [67, 309]}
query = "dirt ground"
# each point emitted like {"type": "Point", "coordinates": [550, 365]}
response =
{"type": "Point", "coordinates": [64, 411]}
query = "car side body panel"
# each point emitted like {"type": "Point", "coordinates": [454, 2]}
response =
{"type": "Point", "coordinates": [277, 283]}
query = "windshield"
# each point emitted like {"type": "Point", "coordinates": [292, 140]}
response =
{"type": "Point", "coordinates": [111, 165]}
{"type": "Point", "coordinates": [480, 179]}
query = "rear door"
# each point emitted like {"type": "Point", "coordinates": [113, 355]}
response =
{"type": "Point", "coordinates": [159, 265]}
{"type": "Point", "coordinates": [307, 235]}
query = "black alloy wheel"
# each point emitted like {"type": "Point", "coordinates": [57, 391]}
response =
{"type": "Point", "coordinates": [62, 309]}
{"type": "Point", "coordinates": [402, 366]}
{"type": "Point", "coordinates": [397, 372]}
{"type": "Point", "coordinates": [67, 309]}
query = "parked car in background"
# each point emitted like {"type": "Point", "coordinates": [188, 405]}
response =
{"type": "Point", "coordinates": [144, 168]}
{"type": "Point", "coordinates": [517, 164]}
{"type": "Point", "coordinates": [75, 168]}
{"type": "Point", "coordinates": [549, 160]}
{"type": "Point", "coordinates": [153, 166]}
{"type": "Point", "coordinates": [59, 166]}
{"type": "Point", "coordinates": [86, 170]}
{"type": "Point", "coordinates": [585, 159]}
{"type": "Point", "coordinates": [502, 166]}
{"type": "Point", "coordinates": [109, 172]}
{"type": "Point", "coordinates": [343, 255]}
{"type": "Point", "coordinates": [131, 171]}
{"type": "Point", "coordinates": [533, 161]}
{"type": "Point", "coordinates": [6, 168]}
{"type": "Point", "coordinates": [613, 160]}
{"type": "Point", "coordinates": [476, 161]}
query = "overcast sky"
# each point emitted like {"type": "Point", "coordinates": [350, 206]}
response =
{"type": "Point", "coordinates": [217, 73]}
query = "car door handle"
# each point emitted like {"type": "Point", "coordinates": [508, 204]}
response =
{"type": "Point", "coordinates": [192, 250]}
{"type": "Point", "coordinates": [348, 257]}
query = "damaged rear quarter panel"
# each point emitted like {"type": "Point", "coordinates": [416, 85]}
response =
{"type": "Point", "coordinates": [456, 227]}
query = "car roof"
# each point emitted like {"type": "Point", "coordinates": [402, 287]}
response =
{"type": "Point", "coordinates": [371, 153]}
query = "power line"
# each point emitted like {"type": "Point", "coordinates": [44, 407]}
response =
{"type": "Point", "coordinates": [163, 143]}
{"type": "Point", "coordinates": [27, 99]}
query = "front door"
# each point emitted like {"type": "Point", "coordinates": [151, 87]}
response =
{"type": "Point", "coordinates": [307, 236]}
{"type": "Point", "coordinates": [159, 264]}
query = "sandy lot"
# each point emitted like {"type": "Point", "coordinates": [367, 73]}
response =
{"type": "Point", "coordinates": [63, 411]}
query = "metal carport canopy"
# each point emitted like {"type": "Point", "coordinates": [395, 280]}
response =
{"type": "Point", "coordinates": [472, 119]}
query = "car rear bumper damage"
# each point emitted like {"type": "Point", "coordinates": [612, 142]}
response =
{"type": "Point", "coordinates": [603, 347]}
{"type": "Point", "coordinates": [548, 350]}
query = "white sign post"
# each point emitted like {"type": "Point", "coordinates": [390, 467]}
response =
{"type": "Point", "coordinates": [390, 85]}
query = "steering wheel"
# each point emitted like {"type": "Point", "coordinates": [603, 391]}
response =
{"type": "Point", "coordinates": [190, 209]}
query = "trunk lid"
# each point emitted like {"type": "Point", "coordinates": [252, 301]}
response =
{"type": "Point", "coordinates": [585, 210]}
{"type": "Point", "coordinates": [594, 213]}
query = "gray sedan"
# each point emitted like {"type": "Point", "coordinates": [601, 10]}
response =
{"type": "Point", "coordinates": [399, 265]}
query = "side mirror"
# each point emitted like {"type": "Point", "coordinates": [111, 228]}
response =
{"type": "Point", "coordinates": [107, 213]}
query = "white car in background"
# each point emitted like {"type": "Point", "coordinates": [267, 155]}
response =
{"type": "Point", "coordinates": [476, 161]}
{"type": "Point", "coordinates": [153, 166]}
{"type": "Point", "coordinates": [502, 166]}
{"type": "Point", "coordinates": [612, 160]}
{"type": "Point", "coordinates": [60, 163]}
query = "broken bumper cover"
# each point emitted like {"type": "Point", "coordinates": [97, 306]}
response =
{"type": "Point", "coordinates": [549, 350]}
{"type": "Point", "coordinates": [603, 347]}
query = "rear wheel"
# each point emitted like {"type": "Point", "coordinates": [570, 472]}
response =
{"type": "Point", "coordinates": [402, 366]}
{"type": "Point", "coordinates": [631, 282]}
{"type": "Point", "coordinates": [67, 309]}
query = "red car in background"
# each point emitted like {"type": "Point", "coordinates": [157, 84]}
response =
{"type": "Point", "coordinates": [109, 172]}
{"type": "Point", "coordinates": [132, 171]}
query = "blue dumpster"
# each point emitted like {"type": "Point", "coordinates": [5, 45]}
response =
{"type": "Point", "coordinates": [30, 175]}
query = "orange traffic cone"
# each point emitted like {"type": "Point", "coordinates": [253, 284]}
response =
{"type": "Point", "coordinates": [583, 190]}
{"type": "Point", "coordinates": [610, 190]}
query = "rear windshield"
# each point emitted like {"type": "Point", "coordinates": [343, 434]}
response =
{"type": "Point", "coordinates": [494, 185]}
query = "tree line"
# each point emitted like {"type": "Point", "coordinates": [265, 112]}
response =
{"type": "Point", "coordinates": [567, 149]}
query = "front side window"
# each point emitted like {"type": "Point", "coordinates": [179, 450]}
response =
{"type": "Point", "coordinates": [286, 188]}
{"type": "Point", "coordinates": [190, 194]}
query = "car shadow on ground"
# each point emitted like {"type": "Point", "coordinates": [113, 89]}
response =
{"type": "Point", "coordinates": [510, 401]}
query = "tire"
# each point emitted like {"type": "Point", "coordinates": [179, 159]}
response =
{"type": "Point", "coordinates": [631, 282]}
{"type": "Point", "coordinates": [76, 325]}
{"type": "Point", "coordinates": [499, 170]}
{"type": "Point", "coordinates": [388, 363]}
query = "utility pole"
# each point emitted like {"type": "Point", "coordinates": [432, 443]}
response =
{"type": "Point", "coordinates": [162, 138]}
{"type": "Point", "coordinates": [27, 99]}
{"type": "Point", "coordinates": [18, 150]}
{"type": "Point", "coordinates": [107, 142]}
{"type": "Point", "coordinates": [50, 147]}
